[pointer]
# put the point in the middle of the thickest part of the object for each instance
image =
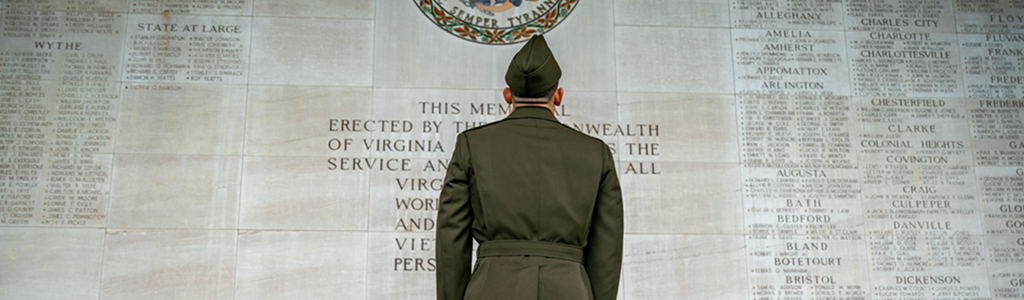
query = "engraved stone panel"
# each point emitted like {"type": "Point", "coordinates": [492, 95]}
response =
{"type": "Point", "coordinates": [814, 201]}
{"type": "Point", "coordinates": [157, 191]}
{"type": "Point", "coordinates": [666, 59]}
{"type": "Point", "coordinates": [335, 52]}
{"type": "Point", "coordinates": [301, 265]}
{"type": "Point", "coordinates": [792, 62]}
{"type": "Point", "coordinates": [401, 265]}
{"type": "Point", "coordinates": [900, 15]}
{"type": "Point", "coordinates": [55, 140]}
{"type": "Point", "coordinates": [700, 13]}
{"type": "Point", "coordinates": [796, 130]}
{"type": "Point", "coordinates": [825, 15]}
{"type": "Point", "coordinates": [994, 16]}
{"type": "Point", "coordinates": [1002, 199]}
{"type": "Point", "coordinates": [667, 127]}
{"type": "Point", "coordinates": [942, 277]}
{"type": "Point", "coordinates": [424, 123]}
{"type": "Point", "coordinates": [198, 49]}
{"type": "Point", "coordinates": [168, 264]}
{"type": "Point", "coordinates": [80, 47]}
{"type": "Point", "coordinates": [42, 263]}
{"type": "Point", "coordinates": [677, 267]}
{"type": "Point", "coordinates": [59, 116]}
{"type": "Point", "coordinates": [914, 131]}
{"type": "Point", "coordinates": [1005, 262]}
{"type": "Point", "coordinates": [997, 131]}
{"type": "Point", "coordinates": [71, 191]}
{"type": "Point", "coordinates": [992, 65]}
{"type": "Point", "coordinates": [308, 121]}
{"type": "Point", "coordinates": [904, 64]}
{"type": "Point", "coordinates": [404, 193]}
{"type": "Point", "coordinates": [301, 193]}
{"type": "Point", "coordinates": [194, 7]}
{"type": "Point", "coordinates": [807, 267]}
{"type": "Point", "coordinates": [682, 198]}
{"type": "Point", "coordinates": [920, 199]}
{"type": "Point", "coordinates": [89, 6]}
{"type": "Point", "coordinates": [163, 118]}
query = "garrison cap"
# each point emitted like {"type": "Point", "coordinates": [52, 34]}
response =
{"type": "Point", "coordinates": [533, 70]}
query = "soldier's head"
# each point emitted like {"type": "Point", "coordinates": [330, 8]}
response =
{"type": "Point", "coordinates": [532, 77]}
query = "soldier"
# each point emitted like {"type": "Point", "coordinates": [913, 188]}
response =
{"type": "Point", "coordinates": [542, 199]}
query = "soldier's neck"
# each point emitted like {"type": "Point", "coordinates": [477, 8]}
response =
{"type": "Point", "coordinates": [549, 106]}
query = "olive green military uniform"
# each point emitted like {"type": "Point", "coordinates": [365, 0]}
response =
{"type": "Point", "coordinates": [542, 199]}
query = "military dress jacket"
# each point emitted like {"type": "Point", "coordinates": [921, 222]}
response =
{"type": "Point", "coordinates": [544, 202]}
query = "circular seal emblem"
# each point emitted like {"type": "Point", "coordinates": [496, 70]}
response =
{"type": "Point", "coordinates": [496, 22]}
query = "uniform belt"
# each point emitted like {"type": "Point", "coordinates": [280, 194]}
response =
{"type": "Point", "coordinates": [522, 247]}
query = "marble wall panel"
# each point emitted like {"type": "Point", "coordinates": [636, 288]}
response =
{"type": "Point", "coordinates": [77, 47]}
{"type": "Point", "coordinates": [682, 198]}
{"type": "Point", "coordinates": [941, 277]}
{"type": "Point", "coordinates": [229, 8]}
{"type": "Point", "coordinates": [404, 196]}
{"type": "Point", "coordinates": [348, 9]}
{"type": "Point", "coordinates": [976, 16]}
{"type": "Point", "coordinates": [670, 59]}
{"type": "Point", "coordinates": [781, 200]}
{"type": "Point", "coordinates": [401, 265]}
{"type": "Point", "coordinates": [297, 121]}
{"type": "Point", "coordinates": [91, 6]}
{"type": "Point", "coordinates": [796, 129]}
{"type": "Point", "coordinates": [992, 66]}
{"type": "Point", "coordinates": [792, 62]}
{"type": "Point", "coordinates": [685, 127]}
{"type": "Point", "coordinates": [802, 266]}
{"type": "Point", "coordinates": [411, 53]}
{"type": "Point", "coordinates": [168, 264]}
{"type": "Point", "coordinates": [301, 265]}
{"type": "Point", "coordinates": [677, 267]}
{"type": "Point", "coordinates": [902, 130]}
{"type": "Point", "coordinates": [335, 52]}
{"type": "Point", "coordinates": [777, 14]}
{"type": "Point", "coordinates": [904, 64]}
{"type": "Point", "coordinates": [432, 118]}
{"type": "Point", "coordinates": [187, 48]}
{"type": "Point", "coordinates": [1005, 260]}
{"type": "Point", "coordinates": [701, 13]}
{"type": "Point", "coordinates": [940, 199]}
{"type": "Point", "coordinates": [997, 126]}
{"type": "Point", "coordinates": [157, 191]}
{"type": "Point", "coordinates": [898, 260]}
{"type": "Point", "coordinates": [302, 193]}
{"type": "Point", "coordinates": [901, 15]}
{"type": "Point", "coordinates": [166, 118]}
{"type": "Point", "coordinates": [72, 191]}
{"type": "Point", "coordinates": [50, 263]}
{"type": "Point", "coordinates": [1001, 190]}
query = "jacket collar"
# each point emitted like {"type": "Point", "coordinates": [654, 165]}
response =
{"type": "Point", "coordinates": [532, 112]}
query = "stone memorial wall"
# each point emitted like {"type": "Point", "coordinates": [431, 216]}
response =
{"type": "Point", "coordinates": [265, 149]}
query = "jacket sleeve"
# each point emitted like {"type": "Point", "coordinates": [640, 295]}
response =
{"type": "Point", "coordinates": [603, 253]}
{"type": "Point", "coordinates": [454, 218]}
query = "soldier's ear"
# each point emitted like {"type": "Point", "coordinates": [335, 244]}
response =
{"type": "Point", "coordinates": [557, 97]}
{"type": "Point", "coordinates": [508, 95]}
